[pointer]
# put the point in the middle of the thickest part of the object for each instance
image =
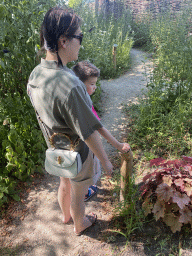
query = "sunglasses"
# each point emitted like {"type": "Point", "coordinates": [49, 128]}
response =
{"type": "Point", "coordinates": [80, 37]}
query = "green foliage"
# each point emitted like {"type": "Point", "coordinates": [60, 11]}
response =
{"type": "Point", "coordinates": [20, 22]}
{"type": "Point", "coordinates": [75, 3]}
{"type": "Point", "coordinates": [156, 130]}
{"type": "Point", "coordinates": [167, 193]}
{"type": "Point", "coordinates": [162, 121]}
{"type": "Point", "coordinates": [141, 32]}
{"type": "Point", "coordinates": [98, 43]}
{"type": "Point", "coordinates": [22, 144]}
{"type": "Point", "coordinates": [96, 97]}
{"type": "Point", "coordinates": [173, 43]}
{"type": "Point", "coordinates": [160, 125]}
{"type": "Point", "coordinates": [128, 214]}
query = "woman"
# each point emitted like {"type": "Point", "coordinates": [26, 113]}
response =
{"type": "Point", "coordinates": [64, 106]}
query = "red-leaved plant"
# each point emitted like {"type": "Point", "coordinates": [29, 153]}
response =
{"type": "Point", "coordinates": [167, 192]}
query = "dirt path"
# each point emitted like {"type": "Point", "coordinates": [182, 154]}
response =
{"type": "Point", "coordinates": [35, 227]}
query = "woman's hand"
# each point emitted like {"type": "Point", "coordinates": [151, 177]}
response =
{"type": "Point", "coordinates": [124, 147]}
{"type": "Point", "coordinates": [108, 168]}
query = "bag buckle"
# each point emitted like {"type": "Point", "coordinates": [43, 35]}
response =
{"type": "Point", "coordinates": [59, 160]}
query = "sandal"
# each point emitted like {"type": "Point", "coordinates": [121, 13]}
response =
{"type": "Point", "coordinates": [92, 218]}
{"type": "Point", "coordinates": [92, 190]}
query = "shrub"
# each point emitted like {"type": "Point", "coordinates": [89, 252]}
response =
{"type": "Point", "coordinates": [158, 130]}
{"type": "Point", "coordinates": [167, 192]}
{"type": "Point", "coordinates": [162, 121]}
{"type": "Point", "coordinates": [172, 41]}
{"type": "Point", "coordinates": [22, 144]}
{"type": "Point", "coordinates": [96, 97]}
{"type": "Point", "coordinates": [100, 34]}
{"type": "Point", "coordinates": [20, 22]}
{"type": "Point", "coordinates": [141, 32]}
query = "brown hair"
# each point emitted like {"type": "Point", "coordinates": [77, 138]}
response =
{"type": "Point", "coordinates": [57, 22]}
{"type": "Point", "coordinates": [85, 69]}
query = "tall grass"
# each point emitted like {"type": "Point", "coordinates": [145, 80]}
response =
{"type": "Point", "coordinates": [141, 31]}
{"type": "Point", "coordinates": [163, 119]}
{"type": "Point", "coordinates": [100, 35]}
{"type": "Point", "coordinates": [128, 214]}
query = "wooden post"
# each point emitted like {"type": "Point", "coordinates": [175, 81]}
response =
{"type": "Point", "coordinates": [114, 55]}
{"type": "Point", "coordinates": [126, 172]}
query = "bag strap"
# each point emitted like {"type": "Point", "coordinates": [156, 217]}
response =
{"type": "Point", "coordinates": [50, 140]}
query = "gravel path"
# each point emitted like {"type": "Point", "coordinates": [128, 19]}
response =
{"type": "Point", "coordinates": [121, 91]}
{"type": "Point", "coordinates": [36, 228]}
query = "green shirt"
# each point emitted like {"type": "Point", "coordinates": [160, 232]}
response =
{"type": "Point", "coordinates": [62, 103]}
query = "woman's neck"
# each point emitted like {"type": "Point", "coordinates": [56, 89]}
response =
{"type": "Point", "coordinates": [53, 56]}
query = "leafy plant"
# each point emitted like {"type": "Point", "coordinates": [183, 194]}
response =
{"type": "Point", "coordinates": [128, 214]}
{"type": "Point", "coordinates": [100, 35]}
{"type": "Point", "coordinates": [96, 97]}
{"type": "Point", "coordinates": [170, 35]}
{"type": "Point", "coordinates": [19, 41]}
{"type": "Point", "coordinates": [162, 120]}
{"type": "Point", "coordinates": [167, 192]}
{"type": "Point", "coordinates": [156, 129]}
{"type": "Point", "coordinates": [141, 31]}
{"type": "Point", "coordinates": [22, 144]}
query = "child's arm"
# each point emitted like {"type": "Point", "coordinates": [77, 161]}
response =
{"type": "Point", "coordinates": [122, 147]}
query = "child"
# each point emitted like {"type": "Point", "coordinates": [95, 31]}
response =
{"type": "Point", "coordinates": [88, 74]}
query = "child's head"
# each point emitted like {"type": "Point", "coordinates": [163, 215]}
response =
{"type": "Point", "coordinates": [88, 74]}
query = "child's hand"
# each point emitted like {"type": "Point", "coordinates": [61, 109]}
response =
{"type": "Point", "coordinates": [124, 147]}
{"type": "Point", "coordinates": [108, 168]}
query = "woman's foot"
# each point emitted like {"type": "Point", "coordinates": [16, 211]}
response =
{"type": "Point", "coordinates": [92, 190]}
{"type": "Point", "coordinates": [89, 221]}
{"type": "Point", "coordinates": [66, 220]}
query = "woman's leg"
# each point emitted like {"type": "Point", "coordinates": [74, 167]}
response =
{"type": "Point", "coordinates": [64, 198]}
{"type": "Point", "coordinates": [81, 222]}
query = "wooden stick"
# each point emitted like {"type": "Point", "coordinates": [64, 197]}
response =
{"type": "Point", "coordinates": [126, 172]}
{"type": "Point", "coordinates": [114, 55]}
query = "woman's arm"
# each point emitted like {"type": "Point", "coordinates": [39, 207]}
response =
{"type": "Point", "coordinates": [96, 146]}
{"type": "Point", "coordinates": [122, 147]}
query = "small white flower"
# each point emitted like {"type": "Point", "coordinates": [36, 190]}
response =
{"type": "Point", "coordinates": [36, 49]}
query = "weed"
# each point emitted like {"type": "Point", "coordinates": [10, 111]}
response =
{"type": "Point", "coordinates": [128, 214]}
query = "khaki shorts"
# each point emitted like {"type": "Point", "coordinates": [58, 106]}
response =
{"type": "Point", "coordinates": [90, 173]}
